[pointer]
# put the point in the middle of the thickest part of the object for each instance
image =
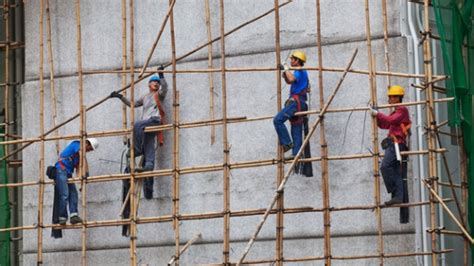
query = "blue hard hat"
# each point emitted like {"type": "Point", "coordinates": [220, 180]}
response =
{"type": "Point", "coordinates": [154, 78]}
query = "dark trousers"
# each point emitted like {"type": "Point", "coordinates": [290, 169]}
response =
{"type": "Point", "coordinates": [145, 143]}
{"type": "Point", "coordinates": [392, 171]}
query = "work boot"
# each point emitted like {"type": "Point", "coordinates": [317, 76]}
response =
{"type": "Point", "coordinates": [143, 169]}
{"type": "Point", "coordinates": [393, 201]}
{"type": "Point", "coordinates": [75, 219]}
{"type": "Point", "coordinates": [62, 220]}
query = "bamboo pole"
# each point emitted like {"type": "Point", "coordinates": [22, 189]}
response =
{"type": "Point", "coordinates": [323, 143]}
{"type": "Point", "coordinates": [298, 155]}
{"type": "Point", "coordinates": [280, 166]}
{"type": "Point", "coordinates": [133, 196]}
{"type": "Point", "coordinates": [162, 28]}
{"type": "Point", "coordinates": [176, 141]}
{"type": "Point", "coordinates": [375, 141]}
{"type": "Point", "coordinates": [432, 165]}
{"type": "Point", "coordinates": [124, 64]}
{"type": "Point", "coordinates": [82, 162]}
{"type": "Point", "coordinates": [39, 259]}
{"type": "Point", "coordinates": [132, 70]}
{"type": "Point", "coordinates": [209, 66]}
{"type": "Point", "coordinates": [51, 75]}
{"type": "Point", "coordinates": [225, 144]}
{"type": "Point", "coordinates": [185, 247]}
{"type": "Point", "coordinates": [6, 18]}
{"type": "Point", "coordinates": [385, 40]}
{"type": "Point", "coordinates": [464, 191]}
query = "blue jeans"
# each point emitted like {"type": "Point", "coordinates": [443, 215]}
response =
{"type": "Point", "coordinates": [145, 143]}
{"type": "Point", "coordinates": [296, 130]}
{"type": "Point", "coordinates": [67, 194]}
{"type": "Point", "coordinates": [392, 172]}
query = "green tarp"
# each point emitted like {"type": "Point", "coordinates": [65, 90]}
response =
{"type": "Point", "coordinates": [4, 213]}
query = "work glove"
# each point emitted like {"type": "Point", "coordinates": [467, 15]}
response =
{"type": "Point", "coordinates": [115, 94]}
{"type": "Point", "coordinates": [284, 67]}
{"type": "Point", "coordinates": [160, 74]}
{"type": "Point", "coordinates": [372, 110]}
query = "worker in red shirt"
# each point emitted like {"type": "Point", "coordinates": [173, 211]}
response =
{"type": "Point", "coordinates": [398, 124]}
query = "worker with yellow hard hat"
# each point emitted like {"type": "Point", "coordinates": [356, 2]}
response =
{"type": "Point", "coordinates": [296, 102]}
{"type": "Point", "coordinates": [393, 165]}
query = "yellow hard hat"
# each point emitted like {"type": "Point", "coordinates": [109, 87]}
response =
{"type": "Point", "coordinates": [300, 55]}
{"type": "Point", "coordinates": [396, 90]}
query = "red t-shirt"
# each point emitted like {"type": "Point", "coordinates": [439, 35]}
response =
{"type": "Point", "coordinates": [394, 121]}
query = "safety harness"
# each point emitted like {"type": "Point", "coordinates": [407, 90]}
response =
{"type": "Point", "coordinates": [405, 130]}
{"type": "Point", "coordinates": [70, 158]}
{"type": "Point", "coordinates": [298, 120]}
{"type": "Point", "coordinates": [159, 134]}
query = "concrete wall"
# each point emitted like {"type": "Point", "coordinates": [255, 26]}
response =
{"type": "Point", "coordinates": [250, 94]}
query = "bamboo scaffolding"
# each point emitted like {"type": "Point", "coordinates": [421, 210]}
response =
{"type": "Point", "coordinates": [132, 70]}
{"type": "Point", "coordinates": [280, 166]}
{"type": "Point", "coordinates": [213, 215]}
{"type": "Point", "coordinates": [297, 157]}
{"type": "Point", "coordinates": [225, 143]}
{"type": "Point", "coordinates": [201, 123]}
{"type": "Point", "coordinates": [39, 259]}
{"type": "Point", "coordinates": [385, 41]}
{"type": "Point", "coordinates": [162, 28]}
{"type": "Point", "coordinates": [185, 247]}
{"type": "Point", "coordinates": [124, 64]}
{"type": "Point", "coordinates": [207, 11]}
{"type": "Point", "coordinates": [176, 141]}
{"type": "Point", "coordinates": [6, 18]}
{"type": "Point", "coordinates": [464, 190]}
{"type": "Point", "coordinates": [323, 143]}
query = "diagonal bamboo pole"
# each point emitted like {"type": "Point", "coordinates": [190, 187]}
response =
{"type": "Point", "coordinates": [280, 167]}
{"type": "Point", "coordinates": [132, 70]}
{"type": "Point", "coordinates": [39, 259]}
{"type": "Point", "coordinates": [225, 143]}
{"type": "Point", "coordinates": [162, 28]}
{"type": "Point", "coordinates": [209, 66]}
{"type": "Point", "coordinates": [185, 247]}
{"type": "Point", "coordinates": [323, 143]}
{"type": "Point", "coordinates": [295, 160]}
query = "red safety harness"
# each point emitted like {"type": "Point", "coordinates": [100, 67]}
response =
{"type": "Point", "coordinates": [159, 134]}
{"type": "Point", "coordinates": [70, 158]}
{"type": "Point", "coordinates": [298, 120]}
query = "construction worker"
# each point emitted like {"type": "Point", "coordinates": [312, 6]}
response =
{"type": "Point", "coordinates": [69, 160]}
{"type": "Point", "coordinates": [398, 124]}
{"type": "Point", "coordinates": [295, 103]}
{"type": "Point", "coordinates": [152, 115]}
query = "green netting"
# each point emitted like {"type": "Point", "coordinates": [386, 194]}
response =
{"type": "Point", "coordinates": [4, 213]}
{"type": "Point", "coordinates": [454, 24]}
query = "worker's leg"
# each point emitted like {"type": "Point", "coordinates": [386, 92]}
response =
{"type": "Point", "coordinates": [139, 136]}
{"type": "Point", "coordinates": [297, 136]}
{"type": "Point", "coordinates": [149, 143]}
{"type": "Point", "coordinates": [62, 188]}
{"type": "Point", "coordinates": [73, 199]}
{"type": "Point", "coordinates": [279, 122]}
{"type": "Point", "coordinates": [391, 174]}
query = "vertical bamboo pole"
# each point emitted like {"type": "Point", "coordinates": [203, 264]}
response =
{"type": "Point", "coordinates": [124, 64]}
{"type": "Point", "coordinates": [133, 196]}
{"type": "Point", "coordinates": [176, 174]}
{"type": "Point", "coordinates": [323, 143]}
{"type": "Point", "coordinates": [464, 182]}
{"type": "Point", "coordinates": [39, 260]}
{"type": "Point", "coordinates": [385, 40]}
{"type": "Point", "coordinates": [280, 166]}
{"type": "Point", "coordinates": [375, 141]}
{"type": "Point", "coordinates": [51, 74]}
{"type": "Point", "coordinates": [432, 167]}
{"type": "Point", "coordinates": [6, 18]}
{"type": "Point", "coordinates": [209, 65]}
{"type": "Point", "coordinates": [224, 140]}
{"type": "Point", "coordinates": [82, 129]}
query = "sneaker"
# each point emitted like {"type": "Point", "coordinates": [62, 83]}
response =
{"type": "Point", "coordinates": [393, 201]}
{"type": "Point", "coordinates": [62, 220]}
{"type": "Point", "coordinates": [287, 147]}
{"type": "Point", "coordinates": [75, 219]}
{"type": "Point", "coordinates": [289, 155]}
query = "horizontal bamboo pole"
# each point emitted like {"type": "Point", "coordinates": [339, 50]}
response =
{"type": "Point", "coordinates": [449, 185]}
{"type": "Point", "coordinates": [208, 168]}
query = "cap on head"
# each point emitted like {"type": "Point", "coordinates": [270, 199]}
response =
{"type": "Point", "coordinates": [94, 143]}
{"type": "Point", "coordinates": [154, 78]}
{"type": "Point", "coordinates": [396, 90]}
{"type": "Point", "coordinates": [300, 55]}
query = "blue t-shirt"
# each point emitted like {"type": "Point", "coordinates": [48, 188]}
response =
{"type": "Point", "coordinates": [70, 157]}
{"type": "Point", "coordinates": [300, 84]}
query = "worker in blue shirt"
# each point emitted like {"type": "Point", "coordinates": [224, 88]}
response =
{"type": "Point", "coordinates": [69, 160]}
{"type": "Point", "coordinates": [295, 103]}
